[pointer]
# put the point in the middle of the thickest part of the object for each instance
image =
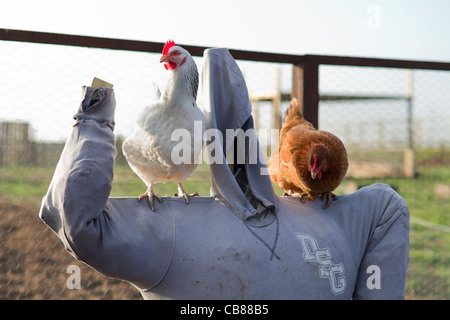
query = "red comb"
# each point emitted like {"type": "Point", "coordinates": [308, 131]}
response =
{"type": "Point", "coordinates": [169, 44]}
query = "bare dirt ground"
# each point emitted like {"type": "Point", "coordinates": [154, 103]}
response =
{"type": "Point", "coordinates": [34, 262]}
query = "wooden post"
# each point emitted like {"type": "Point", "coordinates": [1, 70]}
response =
{"type": "Point", "coordinates": [409, 166]}
{"type": "Point", "coordinates": [305, 87]}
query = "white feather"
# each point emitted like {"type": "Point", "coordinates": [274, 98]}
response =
{"type": "Point", "coordinates": [148, 149]}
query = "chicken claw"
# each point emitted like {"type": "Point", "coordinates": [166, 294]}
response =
{"type": "Point", "coordinates": [182, 194]}
{"type": "Point", "coordinates": [302, 196]}
{"type": "Point", "coordinates": [329, 196]}
{"type": "Point", "coordinates": [149, 194]}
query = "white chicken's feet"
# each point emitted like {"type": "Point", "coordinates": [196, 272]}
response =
{"type": "Point", "coordinates": [149, 194]}
{"type": "Point", "coordinates": [182, 194]}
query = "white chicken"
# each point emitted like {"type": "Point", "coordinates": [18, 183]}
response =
{"type": "Point", "coordinates": [148, 149]}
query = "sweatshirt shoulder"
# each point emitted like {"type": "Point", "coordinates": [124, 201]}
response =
{"type": "Point", "coordinates": [384, 194]}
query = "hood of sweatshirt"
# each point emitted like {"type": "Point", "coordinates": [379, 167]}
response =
{"type": "Point", "coordinates": [238, 169]}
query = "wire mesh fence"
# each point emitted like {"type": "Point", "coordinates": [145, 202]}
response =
{"type": "Point", "coordinates": [385, 116]}
{"type": "Point", "coordinates": [380, 114]}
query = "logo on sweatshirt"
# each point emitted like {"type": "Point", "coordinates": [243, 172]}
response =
{"type": "Point", "coordinates": [335, 273]}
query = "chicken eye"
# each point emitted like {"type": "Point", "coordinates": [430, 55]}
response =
{"type": "Point", "coordinates": [175, 53]}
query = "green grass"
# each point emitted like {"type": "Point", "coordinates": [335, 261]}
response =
{"type": "Point", "coordinates": [429, 263]}
{"type": "Point", "coordinates": [24, 184]}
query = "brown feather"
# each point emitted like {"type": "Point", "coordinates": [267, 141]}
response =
{"type": "Point", "coordinates": [290, 168]}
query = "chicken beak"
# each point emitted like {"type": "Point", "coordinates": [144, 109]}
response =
{"type": "Point", "coordinates": [164, 59]}
{"type": "Point", "coordinates": [314, 174]}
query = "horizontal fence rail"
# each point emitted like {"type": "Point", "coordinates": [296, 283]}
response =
{"type": "Point", "coordinates": [305, 86]}
{"type": "Point", "coordinates": [148, 46]}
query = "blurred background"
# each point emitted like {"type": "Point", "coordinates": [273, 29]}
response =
{"type": "Point", "coordinates": [394, 122]}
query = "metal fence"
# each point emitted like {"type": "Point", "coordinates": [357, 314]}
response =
{"type": "Point", "coordinates": [383, 110]}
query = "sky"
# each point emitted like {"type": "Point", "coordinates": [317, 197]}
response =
{"type": "Point", "coordinates": [402, 29]}
{"type": "Point", "coordinates": [48, 78]}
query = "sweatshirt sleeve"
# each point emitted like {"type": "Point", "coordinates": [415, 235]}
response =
{"type": "Point", "coordinates": [384, 262]}
{"type": "Point", "coordinates": [115, 236]}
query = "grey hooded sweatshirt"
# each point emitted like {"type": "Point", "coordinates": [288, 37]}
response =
{"type": "Point", "coordinates": [242, 242]}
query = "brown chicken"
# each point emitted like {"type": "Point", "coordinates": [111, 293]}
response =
{"type": "Point", "coordinates": [309, 162]}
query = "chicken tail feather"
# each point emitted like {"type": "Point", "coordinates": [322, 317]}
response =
{"type": "Point", "coordinates": [293, 112]}
{"type": "Point", "coordinates": [293, 117]}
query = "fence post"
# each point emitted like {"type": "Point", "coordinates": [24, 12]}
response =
{"type": "Point", "coordinates": [305, 87]}
{"type": "Point", "coordinates": [409, 166]}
